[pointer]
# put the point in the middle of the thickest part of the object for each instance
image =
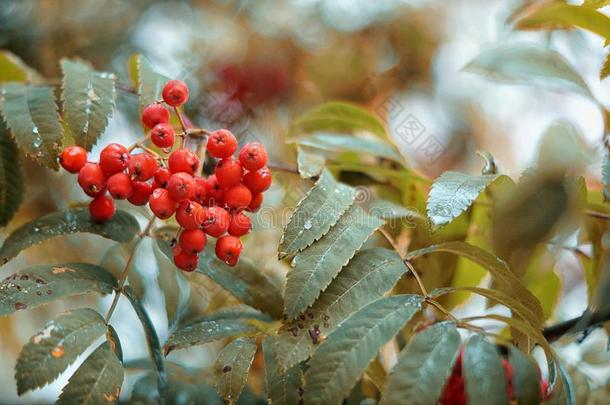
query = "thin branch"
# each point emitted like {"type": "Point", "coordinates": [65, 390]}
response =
{"type": "Point", "coordinates": [596, 214]}
{"type": "Point", "coordinates": [575, 325]}
{"type": "Point", "coordinates": [417, 278]}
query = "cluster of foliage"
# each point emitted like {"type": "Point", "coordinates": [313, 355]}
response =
{"type": "Point", "coordinates": [367, 275]}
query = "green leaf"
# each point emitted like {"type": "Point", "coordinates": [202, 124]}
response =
{"type": "Point", "coordinates": [232, 366]}
{"type": "Point", "coordinates": [13, 69]}
{"type": "Point", "coordinates": [565, 15]}
{"type": "Point", "coordinates": [596, 3]}
{"type": "Point", "coordinates": [349, 143]}
{"type": "Point", "coordinates": [316, 214]}
{"type": "Point", "coordinates": [309, 163]}
{"type": "Point", "coordinates": [31, 114]}
{"type": "Point", "coordinates": [314, 268]}
{"type": "Point", "coordinates": [39, 285]}
{"type": "Point", "coordinates": [121, 228]}
{"type": "Point", "coordinates": [453, 193]}
{"type": "Point", "coordinates": [282, 386]}
{"type": "Point", "coordinates": [150, 82]}
{"type": "Point", "coordinates": [337, 117]}
{"type": "Point", "coordinates": [527, 63]}
{"type": "Point", "coordinates": [424, 366]}
{"type": "Point", "coordinates": [338, 363]}
{"type": "Point", "coordinates": [115, 343]}
{"type": "Point", "coordinates": [605, 71]}
{"type": "Point", "coordinates": [11, 178]}
{"type": "Point", "coordinates": [98, 380]}
{"type": "Point", "coordinates": [526, 387]}
{"type": "Point", "coordinates": [88, 100]}
{"type": "Point", "coordinates": [49, 352]}
{"type": "Point", "coordinates": [367, 277]}
{"type": "Point", "coordinates": [483, 373]}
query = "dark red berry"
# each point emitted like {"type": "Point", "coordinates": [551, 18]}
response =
{"type": "Point", "coordinates": [253, 156]}
{"type": "Point", "coordinates": [185, 261]}
{"type": "Point", "coordinates": [162, 135]}
{"type": "Point", "coordinates": [189, 214]}
{"type": "Point", "coordinates": [192, 240]}
{"type": "Point", "coordinates": [155, 114]}
{"type": "Point", "coordinates": [92, 179]}
{"type": "Point", "coordinates": [142, 166]}
{"type": "Point", "coordinates": [183, 160]}
{"type": "Point", "coordinates": [228, 172]}
{"type": "Point", "coordinates": [240, 224]}
{"type": "Point", "coordinates": [181, 186]}
{"type": "Point", "coordinates": [200, 190]}
{"type": "Point", "coordinates": [215, 221]}
{"type": "Point", "coordinates": [141, 193]}
{"type": "Point", "coordinates": [102, 208]}
{"type": "Point", "coordinates": [73, 158]}
{"type": "Point", "coordinates": [161, 204]}
{"type": "Point", "coordinates": [214, 192]}
{"type": "Point", "coordinates": [256, 202]}
{"type": "Point", "coordinates": [114, 158]}
{"type": "Point", "coordinates": [228, 249]}
{"type": "Point", "coordinates": [120, 186]}
{"type": "Point", "coordinates": [162, 176]}
{"type": "Point", "coordinates": [175, 93]}
{"type": "Point", "coordinates": [222, 144]}
{"type": "Point", "coordinates": [258, 181]}
{"type": "Point", "coordinates": [238, 197]}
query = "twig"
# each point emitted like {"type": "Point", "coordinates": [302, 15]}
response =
{"type": "Point", "coordinates": [417, 278]}
{"type": "Point", "coordinates": [596, 214]}
{"type": "Point", "coordinates": [575, 325]}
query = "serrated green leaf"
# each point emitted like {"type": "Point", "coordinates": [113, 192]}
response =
{"type": "Point", "coordinates": [452, 193]}
{"type": "Point", "coordinates": [121, 228]}
{"type": "Point", "coordinates": [50, 351]}
{"type": "Point", "coordinates": [309, 163]}
{"type": "Point", "coordinates": [349, 143]}
{"type": "Point", "coordinates": [31, 115]}
{"type": "Point", "coordinates": [336, 117]}
{"type": "Point", "coordinates": [13, 69]}
{"type": "Point", "coordinates": [526, 387]}
{"type": "Point", "coordinates": [423, 366]}
{"type": "Point", "coordinates": [528, 63]}
{"type": "Point", "coordinates": [282, 386]}
{"type": "Point", "coordinates": [367, 277]}
{"type": "Point", "coordinates": [39, 285]}
{"type": "Point", "coordinates": [483, 373]}
{"type": "Point", "coordinates": [387, 210]}
{"type": "Point", "coordinates": [97, 381]}
{"type": "Point", "coordinates": [232, 366]}
{"type": "Point", "coordinates": [11, 178]}
{"type": "Point", "coordinates": [150, 82]}
{"type": "Point", "coordinates": [88, 100]}
{"type": "Point", "coordinates": [605, 70]}
{"type": "Point", "coordinates": [315, 214]}
{"type": "Point", "coordinates": [338, 363]}
{"type": "Point", "coordinates": [314, 268]}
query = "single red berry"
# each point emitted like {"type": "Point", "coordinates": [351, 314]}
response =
{"type": "Point", "coordinates": [253, 156]}
{"type": "Point", "coordinates": [222, 144]}
{"type": "Point", "coordinates": [142, 166]}
{"type": "Point", "coordinates": [185, 261]}
{"type": "Point", "coordinates": [240, 224]}
{"type": "Point", "coordinates": [228, 172]}
{"type": "Point", "coordinates": [192, 240]}
{"type": "Point", "coordinates": [73, 158]}
{"type": "Point", "coordinates": [215, 221]}
{"type": "Point", "coordinates": [238, 197]}
{"type": "Point", "coordinates": [92, 179]}
{"type": "Point", "coordinates": [181, 186]}
{"type": "Point", "coordinates": [141, 193]}
{"type": "Point", "coordinates": [119, 186]}
{"type": "Point", "coordinates": [256, 202]}
{"type": "Point", "coordinates": [162, 176]}
{"type": "Point", "coordinates": [200, 190]}
{"type": "Point", "coordinates": [258, 181]}
{"type": "Point", "coordinates": [228, 249]}
{"type": "Point", "coordinates": [102, 208]}
{"type": "Point", "coordinates": [175, 93]}
{"type": "Point", "coordinates": [183, 160]}
{"type": "Point", "coordinates": [155, 114]}
{"type": "Point", "coordinates": [189, 214]}
{"type": "Point", "coordinates": [161, 204]}
{"type": "Point", "coordinates": [214, 192]}
{"type": "Point", "coordinates": [162, 135]}
{"type": "Point", "coordinates": [114, 158]}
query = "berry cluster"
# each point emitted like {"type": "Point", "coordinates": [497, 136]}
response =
{"type": "Point", "coordinates": [172, 185]}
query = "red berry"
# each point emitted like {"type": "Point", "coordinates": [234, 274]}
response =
{"type": "Point", "coordinates": [253, 156]}
{"type": "Point", "coordinates": [189, 214]}
{"type": "Point", "coordinates": [228, 249]}
{"type": "Point", "coordinates": [258, 181]}
{"type": "Point", "coordinates": [142, 167]}
{"type": "Point", "coordinates": [185, 261]}
{"type": "Point", "coordinates": [200, 190]}
{"type": "Point", "coordinates": [228, 172]}
{"type": "Point", "coordinates": [215, 221]}
{"type": "Point", "coordinates": [155, 114]}
{"type": "Point", "coordinates": [119, 186]}
{"type": "Point", "coordinates": [222, 144]}
{"type": "Point", "coordinates": [175, 93]}
{"type": "Point", "coordinates": [92, 179]}
{"type": "Point", "coordinates": [256, 202]}
{"type": "Point", "coordinates": [240, 224]}
{"type": "Point", "coordinates": [114, 158]}
{"type": "Point", "coordinates": [162, 176]}
{"type": "Point", "coordinates": [183, 160]}
{"type": "Point", "coordinates": [141, 193]}
{"type": "Point", "coordinates": [192, 240]}
{"type": "Point", "coordinates": [101, 208]}
{"type": "Point", "coordinates": [162, 135]}
{"type": "Point", "coordinates": [238, 197]}
{"type": "Point", "coordinates": [181, 186]}
{"type": "Point", "coordinates": [161, 204]}
{"type": "Point", "coordinates": [73, 158]}
{"type": "Point", "coordinates": [214, 193]}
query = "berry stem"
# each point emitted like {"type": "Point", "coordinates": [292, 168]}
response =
{"type": "Point", "coordinates": [137, 143]}
{"type": "Point", "coordinates": [201, 151]}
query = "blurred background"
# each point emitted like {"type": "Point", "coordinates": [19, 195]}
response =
{"type": "Point", "coordinates": [252, 66]}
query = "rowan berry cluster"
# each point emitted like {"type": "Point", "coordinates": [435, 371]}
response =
{"type": "Point", "coordinates": [171, 182]}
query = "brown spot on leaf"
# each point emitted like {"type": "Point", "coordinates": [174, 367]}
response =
{"type": "Point", "coordinates": [226, 369]}
{"type": "Point", "coordinates": [20, 305]}
{"type": "Point", "coordinates": [60, 270]}
{"type": "Point", "coordinates": [58, 351]}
